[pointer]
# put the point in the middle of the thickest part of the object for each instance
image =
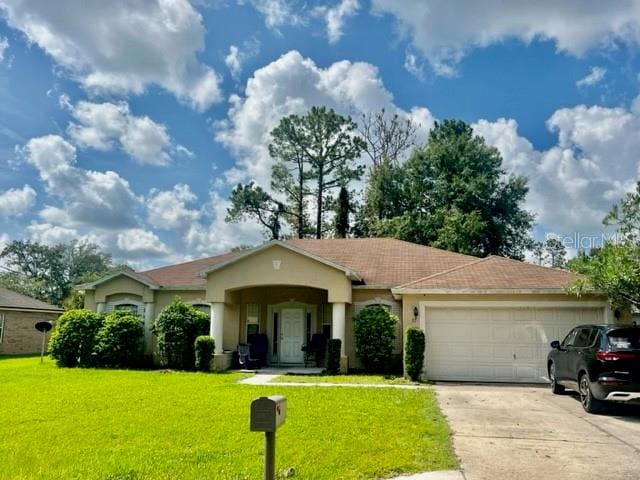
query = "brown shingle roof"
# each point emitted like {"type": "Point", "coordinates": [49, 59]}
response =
{"type": "Point", "coordinates": [11, 299]}
{"type": "Point", "coordinates": [185, 274]}
{"type": "Point", "coordinates": [387, 262]}
{"type": "Point", "coordinates": [384, 261]}
{"type": "Point", "coordinates": [496, 273]}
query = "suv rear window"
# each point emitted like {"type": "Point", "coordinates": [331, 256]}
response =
{"type": "Point", "coordinates": [624, 339]}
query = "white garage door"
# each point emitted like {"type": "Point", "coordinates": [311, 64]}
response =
{"type": "Point", "coordinates": [497, 344]}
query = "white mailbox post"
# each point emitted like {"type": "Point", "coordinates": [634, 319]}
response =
{"type": "Point", "coordinates": [267, 414]}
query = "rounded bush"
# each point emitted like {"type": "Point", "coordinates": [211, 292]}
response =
{"type": "Point", "coordinates": [374, 330]}
{"type": "Point", "coordinates": [333, 355]}
{"type": "Point", "coordinates": [204, 346]}
{"type": "Point", "coordinates": [73, 340]}
{"type": "Point", "coordinates": [414, 353]}
{"type": "Point", "coordinates": [120, 341]}
{"type": "Point", "coordinates": [177, 327]}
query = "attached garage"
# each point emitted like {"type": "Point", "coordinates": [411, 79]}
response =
{"type": "Point", "coordinates": [498, 342]}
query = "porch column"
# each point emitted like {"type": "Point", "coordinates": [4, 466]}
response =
{"type": "Point", "coordinates": [100, 307]}
{"type": "Point", "coordinates": [338, 319]}
{"type": "Point", "coordinates": [149, 316]}
{"type": "Point", "coordinates": [217, 325]}
{"type": "Point", "coordinates": [339, 325]}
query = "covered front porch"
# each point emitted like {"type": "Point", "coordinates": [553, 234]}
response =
{"type": "Point", "coordinates": [287, 315]}
{"type": "Point", "coordinates": [282, 292]}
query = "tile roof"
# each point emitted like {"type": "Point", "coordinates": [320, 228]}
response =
{"type": "Point", "coordinates": [11, 299]}
{"type": "Point", "coordinates": [387, 262]}
{"type": "Point", "coordinates": [495, 273]}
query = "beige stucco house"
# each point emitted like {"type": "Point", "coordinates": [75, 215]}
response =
{"type": "Point", "coordinates": [18, 316]}
{"type": "Point", "coordinates": [487, 319]}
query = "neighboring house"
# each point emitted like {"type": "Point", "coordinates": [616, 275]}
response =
{"type": "Point", "coordinates": [18, 316]}
{"type": "Point", "coordinates": [487, 319]}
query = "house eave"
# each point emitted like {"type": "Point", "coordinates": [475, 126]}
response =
{"type": "Point", "coordinates": [398, 292]}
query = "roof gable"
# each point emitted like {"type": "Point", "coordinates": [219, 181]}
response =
{"type": "Point", "coordinates": [138, 277]}
{"type": "Point", "coordinates": [277, 243]}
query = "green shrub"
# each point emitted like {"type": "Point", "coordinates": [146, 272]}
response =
{"type": "Point", "coordinates": [333, 355]}
{"type": "Point", "coordinates": [73, 340]}
{"type": "Point", "coordinates": [414, 353]}
{"type": "Point", "coordinates": [177, 327]}
{"type": "Point", "coordinates": [374, 331]}
{"type": "Point", "coordinates": [204, 346]}
{"type": "Point", "coordinates": [120, 341]}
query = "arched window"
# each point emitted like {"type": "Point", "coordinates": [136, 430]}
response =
{"type": "Point", "coordinates": [203, 307]}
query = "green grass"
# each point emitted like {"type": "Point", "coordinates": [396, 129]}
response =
{"type": "Point", "coordinates": [130, 425]}
{"type": "Point", "coordinates": [351, 379]}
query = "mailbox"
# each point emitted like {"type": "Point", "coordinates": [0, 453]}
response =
{"type": "Point", "coordinates": [268, 413]}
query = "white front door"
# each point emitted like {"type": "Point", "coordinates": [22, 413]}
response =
{"type": "Point", "coordinates": [292, 336]}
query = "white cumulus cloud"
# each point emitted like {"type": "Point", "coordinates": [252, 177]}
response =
{"type": "Point", "coordinates": [88, 197]}
{"type": "Point", "coordinates": [169, 209]}
{"type": "Point", "coordinates": [138, 242]}
{"type": "Point", "coordinates": [574, 183]}
{"type": "Point", "coordinates": [122, 47]}
{"type": "Point", "coordinates": [104, 125]}
{"type": "Point", "coordinates": [15, 202]}
{"type": "Point", "coordinates": [445, 31]}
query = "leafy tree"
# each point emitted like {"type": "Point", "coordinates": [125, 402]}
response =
{"type": "Point", "coordinates": [613, 269]}
{"type": "Point", "coordinates": [626, 215]}
{"type": "Point", "coordinates": [539, 253]}
{"type": "Point", "coordinates": [457, 196]}
{"type": "Point", "coordinates": [322, 146]}
{"type": "Point", "coordinates": [177, 327]}
{"type": "Point", "coordinates": [374, 331]}
{"type": "Point", "coordinates": [344, 208]}
{"type": "Point", "coordinates": [50, 272]}
{"type": "Point", "coordinates": [251, 201]}
{"type": "Point", "coordinates": [556, 252]}
{"type": "Point", "coordinates": [384, 196]}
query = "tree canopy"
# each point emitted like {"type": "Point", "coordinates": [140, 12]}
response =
{"type": "Point", "coordinates": [49, 273]}
{"type": "Point", "coordinates": [453, 194]}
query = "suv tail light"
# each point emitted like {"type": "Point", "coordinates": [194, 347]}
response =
{"type": "Point", "coordinates": [613, 356]}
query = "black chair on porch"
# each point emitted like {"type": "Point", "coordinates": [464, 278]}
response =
{"type": "Point", "coordinates": [314, 350]}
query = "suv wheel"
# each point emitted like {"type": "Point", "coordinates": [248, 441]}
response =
{"type": "Point", "coordinates": [555, 387]}
{"type": "Point", "coordinates": [590, 404]}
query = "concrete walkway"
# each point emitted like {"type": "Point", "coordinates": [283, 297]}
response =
{"type": "Point", "coordinates": [266, 377]}
{"type": "Point", "coordinates": [440, 475]}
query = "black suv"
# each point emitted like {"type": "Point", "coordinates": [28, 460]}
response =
{"type": "Point", "coordinates": [600, 362]}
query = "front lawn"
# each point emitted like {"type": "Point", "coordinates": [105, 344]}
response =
{"type": "Point", "coordinates": [360, 379]}
{"type": "Point", "coordinates": [129, 425]}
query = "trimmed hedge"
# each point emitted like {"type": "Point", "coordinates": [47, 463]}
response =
{"type": "Point", "coordinates": [73, 340]}
{"type": "Point", "coordinates": [177, 327]}
{"type": "Point", "coordinates": [333, 355]}
{"type": "Point", "coordinates": [414, 353]}
{"type": "Point", "coordinates": [204, 347]}
{"type": "Point", "coordinates": [374, 331]}
{"type": "Point", "coordinates": [120, 341]}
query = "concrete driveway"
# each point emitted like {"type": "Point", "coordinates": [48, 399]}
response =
{"type": "Point", "coordinates": [521, 432]}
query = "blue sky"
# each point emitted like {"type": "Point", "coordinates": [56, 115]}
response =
{"type": "Point", "coordinates": [128, 123]}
